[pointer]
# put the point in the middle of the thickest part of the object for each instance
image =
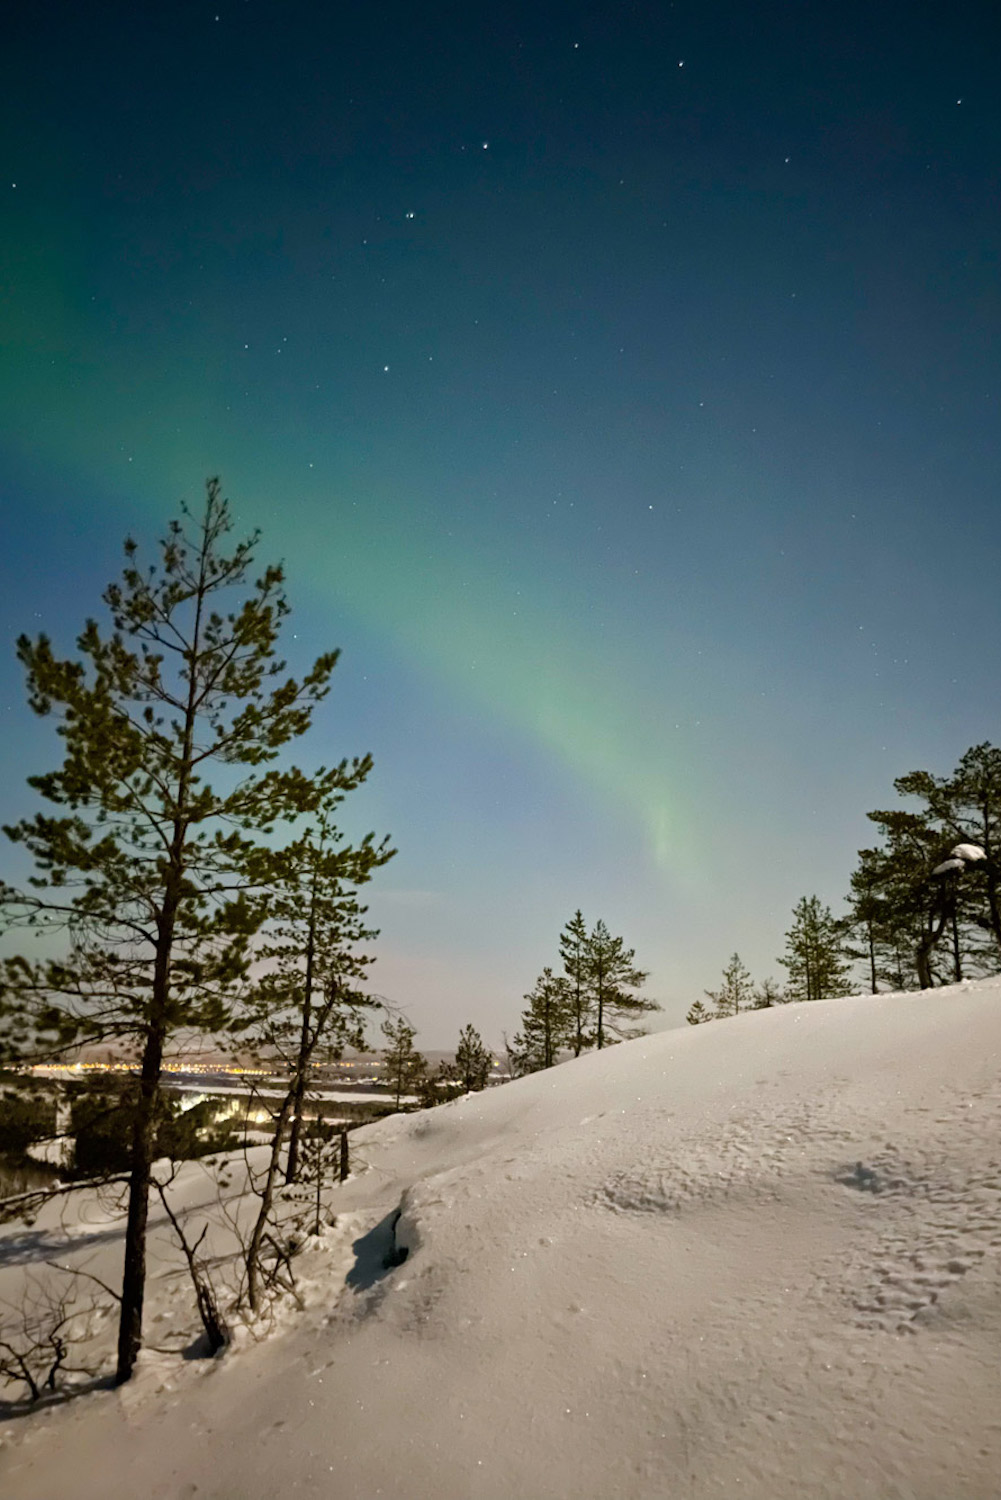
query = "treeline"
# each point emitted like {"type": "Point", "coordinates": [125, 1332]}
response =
{"type": "Point", "coordinates": [923, 907]}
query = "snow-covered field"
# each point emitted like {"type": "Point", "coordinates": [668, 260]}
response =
{"type": "Point", "coordinates": [756, 1258]}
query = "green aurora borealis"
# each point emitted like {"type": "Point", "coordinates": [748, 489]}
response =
{"type": "Point", "coordinates": [132, 412]}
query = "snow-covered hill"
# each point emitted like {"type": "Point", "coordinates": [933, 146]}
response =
{"type": "Point", "coordinates": [757, 1258]}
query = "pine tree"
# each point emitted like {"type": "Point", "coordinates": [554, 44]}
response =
{"type": "Point", "coordinates": [306, 1007]}
{"type": "Point", "coordinates": [767, 994]}
{"type": "Point", "coordinates": [901, 911]}
{"type": "Point", "coordinates": [320, 1154]}
{"type": "Point", "coordinates": [698, 1014]}
{"type": "Point", "coordinates": [405, 1067]}
{"type": "Point", "coordinates": [973, 813]}
{"type": "Point", "coordinates": [547, 1025]}
{"type": "Point", "coordinates": [612, 977]}
{"type": "Point", "coordinates": [962, 810]}
{"type": "Point", "coordinates": [439, 1086]}
{"type": "Point", "coordinates": [903, 902]}
{"type": "Point", "coordinates": [889, 903]}
{"type": "Point", "coordinates": [574, 955]}
{"type": "Point", "coordinates": [153, 875]}
{"type": "Point", "coordinates": [814, 954]}
{"type": "Point", "coordinates": [868, 926]}
{"type": "Point", "coordinates": [472, 1061]}
{"type": "Point", "coordinates": [735, 994]}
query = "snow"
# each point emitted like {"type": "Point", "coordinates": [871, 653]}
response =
{"type": "Point", "coordinates": [753, 1258]}
{"type": "Point", "coordinates": [948, 865]}
{"type": "Point", "coordinates": [57, 1152]}
{"type": "Point", "coordinates": [350, 1095]}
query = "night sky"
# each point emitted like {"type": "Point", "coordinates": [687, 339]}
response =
{"type": "Point", "coordinates": [619, 384]}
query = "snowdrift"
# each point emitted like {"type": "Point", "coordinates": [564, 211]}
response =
{"type": "Point", "coordinates": [754, 1258]}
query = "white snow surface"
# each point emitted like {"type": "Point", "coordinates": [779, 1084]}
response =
{"type": "Point", "coordinates": [753, 1258]}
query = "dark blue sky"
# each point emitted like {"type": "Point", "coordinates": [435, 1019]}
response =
{"type": "Point", "coordinates": [620, 386]}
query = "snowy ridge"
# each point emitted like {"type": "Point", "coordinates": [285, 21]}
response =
{"type": "Point", "coordinates": [760, 1257]}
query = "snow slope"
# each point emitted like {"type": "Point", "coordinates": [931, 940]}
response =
{"type": "Point", "coordinates": [755, 1258]}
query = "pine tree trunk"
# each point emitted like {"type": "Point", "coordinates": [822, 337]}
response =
{"type": "Point", "coordinates": [292, 1164]}
{"type": "Point", "coordinates": [923, 964]}
{"type": "Point", "coordinates": [993, 903]}
{"type": "Point", "coordinates": [143, 1146]}
{"type": "Point", "coordinates": [144, 1131]}
{"type": "Point", "coordinates": [926, 947]}
{"type": "Point", "coordinates": [144, 1138]}
{"type": "Point", "coordinates": [578, 1012]}
{"type": "Point", "coordinates": [298, 1096]}
{"type": "Point", "coordinates": [267, 1198]}
{"type": "Point", "coordinates": [601, 1006]}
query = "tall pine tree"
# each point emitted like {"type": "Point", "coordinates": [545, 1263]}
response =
{"type": "Point", "coordinates": [152, 875]}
